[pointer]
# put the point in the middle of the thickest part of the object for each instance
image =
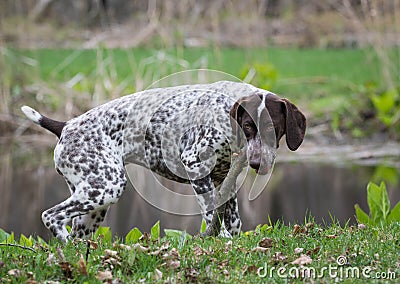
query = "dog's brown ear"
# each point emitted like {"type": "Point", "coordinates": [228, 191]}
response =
{"type": "Point", "coordinates": [295, 125]}
{"type": "Point", "coordinates": [235, 115]}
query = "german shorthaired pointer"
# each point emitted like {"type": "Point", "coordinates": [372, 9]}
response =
{"type": "Point", "coordinates": [206, 123]}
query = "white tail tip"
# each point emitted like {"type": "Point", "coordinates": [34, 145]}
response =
{"type": "Point", "coordinates": [31, 114]}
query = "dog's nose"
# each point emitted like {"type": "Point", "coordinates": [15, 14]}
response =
{"type": "Point", "coordinates": [254, 164]}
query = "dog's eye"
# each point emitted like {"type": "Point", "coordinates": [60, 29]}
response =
{"type": "Point", "coordinates": [247, 126]}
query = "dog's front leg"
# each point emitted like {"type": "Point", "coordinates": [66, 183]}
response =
{"type": "Point", "coordinates": [232, 221]}
{"type": "Point", "coordinates": [204, 189]}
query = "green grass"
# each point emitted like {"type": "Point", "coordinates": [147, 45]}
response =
{"type": "Point", "coordinates": [181, 259]}
{"type": "Point", "coordinates": [324, 68]}
{"type": "Point", "coordinates": [320, 81]}
{"type": "Point", "coordinates": [352, 64]}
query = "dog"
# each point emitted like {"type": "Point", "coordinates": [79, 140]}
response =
{"type": "Point", "coordinates": [184, 133]}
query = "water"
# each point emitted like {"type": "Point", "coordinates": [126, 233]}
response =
{"type": "Point", "coordinates": [294, 191]}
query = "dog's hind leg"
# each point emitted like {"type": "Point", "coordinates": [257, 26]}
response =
{"type": "Point", "coordinates": [84, 225]}
{"type": "Point", "coordinates": [92, 193]}
{"type": "Point", "coordinates": [57, 217]}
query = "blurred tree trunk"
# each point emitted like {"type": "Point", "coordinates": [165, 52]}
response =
{"type": "Point", "coordinates": [40, 9]}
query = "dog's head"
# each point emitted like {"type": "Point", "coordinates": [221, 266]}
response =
{"type": "Point", "coordinates": [264, 119]}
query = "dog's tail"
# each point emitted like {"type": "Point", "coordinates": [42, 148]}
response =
{"type": "Point", "coordinates": [50, 124]}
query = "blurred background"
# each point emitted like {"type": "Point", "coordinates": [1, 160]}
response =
{"type": "Point", "coordinates": [339, 61]}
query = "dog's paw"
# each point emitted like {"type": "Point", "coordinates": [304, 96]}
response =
{"type": "Point", "coordinates": [225, 234]}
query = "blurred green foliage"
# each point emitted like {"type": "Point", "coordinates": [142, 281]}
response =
{"type": "Point", "coordinates": [389, 174]}
{"type": "Point", "coordinates": [379, 207]}
{"type": "Point", "coordinates": [262, 75]}
{"type": "Point", "coordinates": [387, 106]}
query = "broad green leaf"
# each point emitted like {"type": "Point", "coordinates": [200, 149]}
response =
{"type": "Point", "coordinates": [105, 232]}
{"type": "Point", "coordinates": [385, 202]}
{"type": "Point", "coordinates": [394, 215]}
{"type": "Point", "coordinates": [155, 231]}
{"type": "Point", "coordinates": [362, 217]}
{"type": "Point", "coordinates": [24, 241]}
{"type": "Point", "coordinates": [203, 227]}
{"type": "Point", "coordinates": [173, 233]}
{"type": "Point", "coordinates": [3, 235]}
{"type": "Point", "coordinates": [378, 202]}
{"type": "Point", "coordinates": [372, 199]}
{"type": "Point", "coordinates": [133, 236]}
{"type": "Point", "coordinates": [10, 239]}
{"type": "Point", "coordinates": [385, 102]}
